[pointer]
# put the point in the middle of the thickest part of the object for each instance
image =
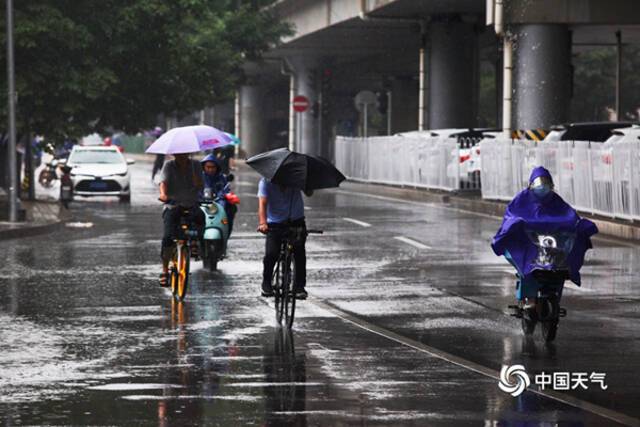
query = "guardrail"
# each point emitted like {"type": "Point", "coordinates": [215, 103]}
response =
{"type": "Point", "coordinates": [594, 177]}
{"type": "Point", "coordinates": [423, 162]}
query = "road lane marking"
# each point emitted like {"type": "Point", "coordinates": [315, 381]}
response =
{"type": "Point", "coordinates": [412, 242]}
{"type": "Point", "coordinates": [308, 208]}
{"type": "Point", "coordinates": [473, 366]}
{"type": "Point", "coordinates": [360, 223]}
{"type": "Point", "coordinates": [438, 205]}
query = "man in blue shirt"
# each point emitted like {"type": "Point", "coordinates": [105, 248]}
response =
{"type": "Point", "coordinates": [279, 208]}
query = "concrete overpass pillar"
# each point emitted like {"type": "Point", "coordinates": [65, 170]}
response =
{"type": "Point", "coordinates": [252, 119]}
{"type": "Point", "coordinates": [452, 67]}
{"type": "Point", "coordinates": [542, 86]}
{"type": "Point", "coordinates": [306, 84]}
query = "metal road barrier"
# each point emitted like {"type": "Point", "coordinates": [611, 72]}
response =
{"type": "Point", "coordinates": [424, 162]}
{"type": "Point", "coordinates": [594, 177]}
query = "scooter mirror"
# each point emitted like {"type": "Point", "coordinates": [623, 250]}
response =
{"type": "Point", "coordinates": [231, 177]}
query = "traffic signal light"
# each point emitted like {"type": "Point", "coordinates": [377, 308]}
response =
{"type": "Point", "coordinates": [325, 107]}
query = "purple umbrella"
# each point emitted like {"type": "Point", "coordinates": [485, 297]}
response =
{"type": "Point", "coordinates": [189, 139]}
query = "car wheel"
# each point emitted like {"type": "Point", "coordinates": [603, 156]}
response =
{"type": "Point", "coordinates": [125, 198]}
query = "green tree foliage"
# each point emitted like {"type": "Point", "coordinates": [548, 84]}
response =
{"type": "Point", "coordinates": [594, 83]}
{"type": "Point", "coordinates": [85, 65]}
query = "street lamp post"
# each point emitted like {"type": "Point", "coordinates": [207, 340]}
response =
{"type": "Point", "coordinates": [11, 147]}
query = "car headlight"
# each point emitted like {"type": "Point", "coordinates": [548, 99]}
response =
{"type": "Point", "coordinates": [213, 209]}
{"type": "Point", "coordinates": [118, 174]}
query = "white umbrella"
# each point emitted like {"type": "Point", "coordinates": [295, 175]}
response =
{"type": "Point", "coordinates": [189, 139]}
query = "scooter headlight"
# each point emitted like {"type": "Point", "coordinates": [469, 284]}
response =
{"type": "Point", "coordinates": [547, 241]}
{"type": "Point", "coordinates": [213, 209]}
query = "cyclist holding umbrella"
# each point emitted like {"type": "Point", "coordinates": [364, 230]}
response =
{"type": "Point", "coordinates": [286, 175]}
{"type": "Point", "coordinates": [181, 181]}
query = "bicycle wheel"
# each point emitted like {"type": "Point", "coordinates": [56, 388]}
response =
{"type": "Point", "coordinates": [289, 293]}
{"type": "Point", "coordinates": [173, 279]}
{"type": "Point", "coordinates": [276, 281]}
{"type": "Point", "coordinates": [549, 313]}
{"type": "Point", "coordinates": [183, 271]}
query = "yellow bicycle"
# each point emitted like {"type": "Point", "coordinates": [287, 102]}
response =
{"type": "Point", "coordinates": [185, 244]}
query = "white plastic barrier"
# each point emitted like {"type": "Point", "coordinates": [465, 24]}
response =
{"type": "Point", "coordinates": [593, 177]}
{"type": "Point", "coordinates": [412, 161]}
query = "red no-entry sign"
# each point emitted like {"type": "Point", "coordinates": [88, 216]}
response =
{"type": "Point", "coordinates": [300, 104]}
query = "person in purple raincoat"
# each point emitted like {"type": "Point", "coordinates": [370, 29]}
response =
{"type": "Point", "coordinates": [539, 209]}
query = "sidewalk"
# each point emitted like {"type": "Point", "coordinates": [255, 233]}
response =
{"type": "Point", "coordinates": [473, 202]}
{"type": "Point", "coordinates": [41, 217]}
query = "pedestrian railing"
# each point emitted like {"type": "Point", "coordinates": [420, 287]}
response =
{"type": "Point", "coordinates": [426, 162]}
{"type": "Point", "coordinates": [593, 177]}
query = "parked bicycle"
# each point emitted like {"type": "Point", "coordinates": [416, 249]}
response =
{"type": "Point", "coordinates": [284, 276]}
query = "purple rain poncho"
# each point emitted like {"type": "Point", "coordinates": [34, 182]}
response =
{"type": "Point", "coordinates": [549, 214]}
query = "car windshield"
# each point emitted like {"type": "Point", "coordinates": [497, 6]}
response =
{"type": "Point", "coordinates": [96, 156]}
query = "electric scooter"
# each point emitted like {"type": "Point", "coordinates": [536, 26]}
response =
{"type": "Point", "coordinates": [216, 231]}
{"type": "Point", "coordinates": [547, 282]}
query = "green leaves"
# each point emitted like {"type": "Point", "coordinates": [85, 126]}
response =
{"type": "Point", "coordinates": [82, 66]}
{"type": "Point", "coordinates": [594, 83]}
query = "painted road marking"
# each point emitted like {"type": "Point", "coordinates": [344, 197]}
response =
{"type": "Point", "coordinates": [360, 223]}
{"type": "Point", "coordinates": [412, 242]}
{"type": "Point", "coordinates": [435, 205]}
{"type": "Point", "coordinates": [473, 366]}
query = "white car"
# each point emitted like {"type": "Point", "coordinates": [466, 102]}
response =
{"type": "Point", "coordinates": [630, 134]}
{"type": "Point", "coordinates": [100, 171]}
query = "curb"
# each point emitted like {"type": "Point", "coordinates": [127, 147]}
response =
{"type": "Point", "coordinates": [35, 230]}
{"type": "Point", "coordinates": [30, 231]}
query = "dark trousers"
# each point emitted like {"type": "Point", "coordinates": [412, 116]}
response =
{"type": "Point", "coordinates": [276, 235]}
{"type": "Point", "coordinates": [171, 218]}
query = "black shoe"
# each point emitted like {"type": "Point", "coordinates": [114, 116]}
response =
{"type": "Point", "coordinates": [301, 293]}
{"type": "Point", "coordinates": [267, 290]}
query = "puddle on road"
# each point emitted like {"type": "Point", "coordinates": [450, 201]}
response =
{"type": "Point", "coordinates": [133, 386]}
{"type": "Point", "coordinates": [240, 398]}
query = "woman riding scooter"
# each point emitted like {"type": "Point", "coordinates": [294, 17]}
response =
{"type": "Point", "coordinates": [217, 184]}
{"type": "Point", "coordinates": [546, 241]}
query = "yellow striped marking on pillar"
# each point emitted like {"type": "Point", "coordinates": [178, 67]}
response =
{"type": "Point", "coordinates": [529, 134]}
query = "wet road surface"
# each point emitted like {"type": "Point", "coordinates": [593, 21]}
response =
{"type": "Point", "coordinates": [406, 325]}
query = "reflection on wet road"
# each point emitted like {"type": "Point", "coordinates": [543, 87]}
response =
{"type": "Point", "coordinates": [89, 338]}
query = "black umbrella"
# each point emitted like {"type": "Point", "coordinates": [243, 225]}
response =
{"type": "Point", "coordinates": [297, 170]}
